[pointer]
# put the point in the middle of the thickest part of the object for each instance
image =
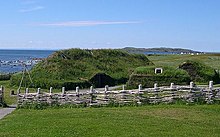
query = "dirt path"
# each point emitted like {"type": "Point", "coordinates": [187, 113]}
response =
{"type": "Point", "coordinates": [6, 111]}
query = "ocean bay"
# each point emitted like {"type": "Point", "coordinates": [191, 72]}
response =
{"type": "Point", "coordinates": [12, 61]}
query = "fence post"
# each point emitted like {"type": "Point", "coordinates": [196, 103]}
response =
{"type": "Point", "coordinates": [51, 88]}
{"type": "Point", "coordinates": [191, 85]}
{"type": "Point", "coordinates": [27, 91]}
{"type": "Point", "coordinates": [210, 85]}
{"type": "Point", "coordinates": [63, 91]}
{"type": "Point", "coordinates": [123, 87]}
{"type": "Point", "coordinates": [77, 91]}
{"type": "Point", "coordinates": [38, 91]}
{"type": "Point", "coordinates": [172, 85]}
{"type": "Point", "coordinates": [155, 86]}
{"type": "Point", "coordinates": [139, 87]}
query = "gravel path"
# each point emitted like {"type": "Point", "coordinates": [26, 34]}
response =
{"type": "Point", "coordinates": [6, 111]}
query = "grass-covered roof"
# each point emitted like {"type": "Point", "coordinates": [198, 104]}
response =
{"type": "Point", "coordinates": [77, 65]}
{"type": "Point", "coordinates": [200, 72]}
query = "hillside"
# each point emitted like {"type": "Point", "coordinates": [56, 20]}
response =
{"type": "Point", "coordinates": [157, 50]}
{"type": "Point", "coordinates": [76, 67]}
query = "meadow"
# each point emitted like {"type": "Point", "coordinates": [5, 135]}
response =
{"type": "Point", "coordinates": [211, 60]}
{"type": "Point", "coordinates": [160, 120]}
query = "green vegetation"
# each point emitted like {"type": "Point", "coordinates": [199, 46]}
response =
{"type": "Point", "coordinates": [211, 60]}
{"type": "Point", "coordinates": [10, 99]}
{"type": "Point", "coordinates": [5, 77]}
{"type": "Point", "coordinates": [76, 67]}
{"type": "Point", "coordinates": [208, 61]}
{"type": "Point", "coordinates": [187, 71]}
{"type": "Point", "coordinates": [160, 120]}
{"type": "Point", "coordinates": [167, 71]}
{"type": "Point", "coordinates": [153, 50]}
{"type": "Point", "coordinates": [7, 89]}
{"type": "Point", "coordinates": [147, 77]}
{"type": "Point", "coordinates": [200, 72]}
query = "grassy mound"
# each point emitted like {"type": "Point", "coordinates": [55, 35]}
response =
{"type": "Point", "coordinates": [147, 76]}
{"type": "Point", "coordinates": [76, 67]}
{"type": "Point", "coordinates": [200, 72]}
{"type": "Point", "coordinates": [182, 75]}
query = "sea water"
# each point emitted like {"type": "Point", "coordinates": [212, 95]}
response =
{"type": "Point", "coordinates": [8, 57]}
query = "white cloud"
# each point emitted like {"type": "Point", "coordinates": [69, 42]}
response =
{"type": "Point", "coordinates": [28, 2]}
{"type": "Point", "coordinates": [36, 8]}
{"type": "Point", "coordinates": [86, 23]}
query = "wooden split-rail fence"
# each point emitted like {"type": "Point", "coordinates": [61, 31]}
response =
{"type": "Point", "coordinates": [92, 97]}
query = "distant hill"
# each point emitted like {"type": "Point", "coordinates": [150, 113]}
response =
{"type": "Point", "coordinates": [157, 50]}
{"type": "Point", "coordinates": [77, 67]}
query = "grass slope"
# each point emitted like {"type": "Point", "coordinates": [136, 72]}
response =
{"type": "Point", "coordinates": [79, 66]}
{"type": "Point", "coordinates": [169, 120]}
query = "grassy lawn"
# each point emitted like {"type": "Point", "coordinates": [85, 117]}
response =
{"type": "Point", "coordinates": [160, 120]}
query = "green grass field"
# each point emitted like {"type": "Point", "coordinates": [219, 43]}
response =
{"type": "Point", "coordinates": [175, 60]}
{"type": "Point", "coordinates": [160, 120]}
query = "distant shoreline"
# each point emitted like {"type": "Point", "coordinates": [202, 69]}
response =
{"type": "Point", "coordinates": [12, 60]}
{"type": "Point", "coordinates": [29, 49]}
{"type": "Point", "coordinates": [145, 51]}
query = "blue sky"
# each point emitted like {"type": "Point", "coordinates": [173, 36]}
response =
{"type": "Point", "coordinates": [59, 24]}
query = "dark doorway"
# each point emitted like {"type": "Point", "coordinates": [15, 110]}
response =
{"type": "Point", "coordinates": [99, 80]}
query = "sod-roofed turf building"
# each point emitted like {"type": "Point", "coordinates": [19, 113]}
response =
{"type": "Point", "coordinates": [83, 68]}
{"type": "Point", "coordinates": [164, 75]}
